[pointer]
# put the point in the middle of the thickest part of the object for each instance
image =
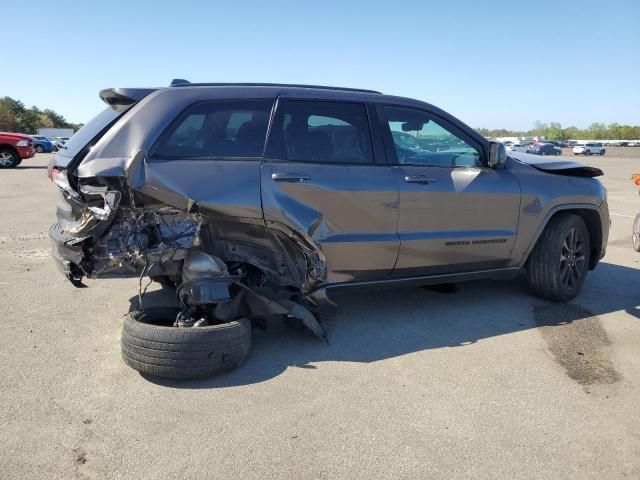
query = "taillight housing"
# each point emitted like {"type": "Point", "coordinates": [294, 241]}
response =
{"type": "Point", "coordinates": [58, 175]}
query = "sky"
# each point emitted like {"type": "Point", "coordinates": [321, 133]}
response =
{"type": "Point", "coordinates": [494, 64]}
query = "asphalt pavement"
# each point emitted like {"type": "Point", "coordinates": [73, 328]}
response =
{"type": "Point", "coordinates": [483, 382]}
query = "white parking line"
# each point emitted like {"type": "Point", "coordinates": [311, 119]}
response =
{"type": "Point", "coordinates": [622, 215]}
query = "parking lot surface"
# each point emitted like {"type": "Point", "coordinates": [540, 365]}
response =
{"type": "Point", "coordinates": [484, 382]}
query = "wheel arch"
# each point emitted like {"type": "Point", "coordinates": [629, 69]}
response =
{"type": "Point", "coordinates": [9, 147]}
{"type": "Point", "coordinates": [591, 217]}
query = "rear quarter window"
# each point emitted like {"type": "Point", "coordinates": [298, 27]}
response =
{"type": "Point", "coordinates": [83, 136]}
{"type": "Point", "coordinates": [227, 129]}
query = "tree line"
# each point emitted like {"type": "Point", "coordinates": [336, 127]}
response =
{"type": "Point", "coordinates": [554, 131]}
{"type": "Point", "coordinates": [16, 117]}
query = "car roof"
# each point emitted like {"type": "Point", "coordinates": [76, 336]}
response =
{"type": "Point", "coordinates": [124, 96]}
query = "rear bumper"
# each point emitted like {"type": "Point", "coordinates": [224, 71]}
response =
{"type": "Point", "coordinates": [67, 253]}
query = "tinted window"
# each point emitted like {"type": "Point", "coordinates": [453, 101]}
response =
{"type": "Point", "coordinates": [90, 130]}
{"type": "Point", "coordinates": [218, 129]}
{"type": "Point", "coordinates": [326, 132]}
{"type": "Point", "coordinates": [420, 140]}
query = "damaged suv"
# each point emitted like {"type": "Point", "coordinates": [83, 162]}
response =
{"type": "Point", "coordinates": [257, 200]}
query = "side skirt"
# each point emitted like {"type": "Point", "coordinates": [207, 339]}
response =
{"type": "Point", "coordinates": [322, 295]}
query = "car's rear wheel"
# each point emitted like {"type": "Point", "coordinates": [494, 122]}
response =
{"type": "Point", "coordinates": [601, 152]}
{"type": "Point", "coordinates": [636, 233]}
{"type": "Point", "coordinates": [39, 149]}
{"type": "Point", "coordinates": [153, 346]}
{"type": "Point", "coordinates": [558, 264]}
{"type": "Point", "coordinates": [8, 158]}
{"type": "Point", "coordinates": [587, 152]}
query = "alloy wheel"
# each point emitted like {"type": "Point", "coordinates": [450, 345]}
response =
{"type": "Point", "coordinates": [572, 259]}
{"type": "Point", "coordinates": [6, 159]}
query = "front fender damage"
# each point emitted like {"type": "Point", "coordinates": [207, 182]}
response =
{"type": "Point", "coordinates": [223, 268]}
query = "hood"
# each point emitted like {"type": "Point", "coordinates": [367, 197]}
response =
{"type": "Point", "coordinates": [558, 167]}
{"type": "Point", "coordinates": [17, 136]}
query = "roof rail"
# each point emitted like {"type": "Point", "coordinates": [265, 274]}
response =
{"type": "Point", "coordinates": [178, 82]}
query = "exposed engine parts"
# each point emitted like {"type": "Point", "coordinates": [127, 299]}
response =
{"type": "Point", "coordinates": [205, 280]}
{"type": "Point", "coordinates": [263, 268]}
{"type": "Point", "coordinates": [156, 240]}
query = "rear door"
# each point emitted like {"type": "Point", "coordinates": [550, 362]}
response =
{"type": "Point", "coordinates": [325, 177]}
{"type": "Point", "coordinates": [209, 158]}
{"type": "Point", "coordinates": [456, 213]}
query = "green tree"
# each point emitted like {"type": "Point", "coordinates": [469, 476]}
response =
{"type": "Point", "coordinates": [8, 121]}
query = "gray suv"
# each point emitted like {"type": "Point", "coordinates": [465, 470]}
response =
{"type": "Point", "coordinates": [260, 200]}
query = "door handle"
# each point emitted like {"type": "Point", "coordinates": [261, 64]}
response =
{"type": "Point", "coordinates": [288, 177]}
{"type": "Point", "coordinates": [422, 179]}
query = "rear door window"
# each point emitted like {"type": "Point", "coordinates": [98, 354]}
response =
{"type": "Point", "coordinates": [225, 129]}
{"type": "Point", "coordinates": [326, 132]}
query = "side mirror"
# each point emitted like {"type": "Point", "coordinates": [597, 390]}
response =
{"type": "Point", "coordinates": [497, 154]}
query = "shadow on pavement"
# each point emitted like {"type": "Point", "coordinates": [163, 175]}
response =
{"type": "Point", "coordinates": [379, 325]}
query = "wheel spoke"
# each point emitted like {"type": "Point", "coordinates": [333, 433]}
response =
{"type": "Point", "coordinates": [573, 277]}
{"type": "Point", "coordinates": [565, 273]}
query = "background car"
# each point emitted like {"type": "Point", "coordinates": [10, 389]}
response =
{"type": "Point", "coordinates": [516, 147]}
{"type": "Point", "coordinates": [54, 143]}
{"type": "Point", "coordinates": [544, 149]}
{"type": "Point", "coordinates": [588, 149]}
{"type": "Point", "coordinates": [42, 144]}
{"type": "Point", "coordinates": [60, 141]}
{"type": "Point", "coordinates": [14, 147]}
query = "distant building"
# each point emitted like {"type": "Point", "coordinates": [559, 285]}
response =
{"type": "Point", "coordinates": [55, 132]}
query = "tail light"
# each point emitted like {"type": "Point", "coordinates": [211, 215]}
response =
{"type": "Point", "coordinates": [58, 175]}
{"type": "Point", "coordinates": [636, 178]}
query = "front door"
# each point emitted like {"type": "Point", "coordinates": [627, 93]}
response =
{"type": "Point", "coordinates": [325, 178]}
{"type": "Point", "coordinates": [456, 213]}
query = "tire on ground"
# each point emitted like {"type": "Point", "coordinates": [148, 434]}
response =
{"type": "Point", "coordinates": [543, 266]}
{"type": "Point", "coordinates": [152, 346]}
{"type": "Point", "coordinates": [12, 157]}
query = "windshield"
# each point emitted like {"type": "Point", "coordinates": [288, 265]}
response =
{"type": "Point", "coordinates": [86, 133]}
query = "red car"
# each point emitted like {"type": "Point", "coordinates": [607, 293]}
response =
{"type": "Point", "coordinates": [14, 147]}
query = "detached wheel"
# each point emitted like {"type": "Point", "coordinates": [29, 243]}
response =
{"type": "Point", "coordinates": [636, 234]}
{"type": "Point", "coordinates": [153, 346]}
{"type": "Point", "coordinates": [8, 158]}
{"type": "Point", "coordinates": [558, 264]}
